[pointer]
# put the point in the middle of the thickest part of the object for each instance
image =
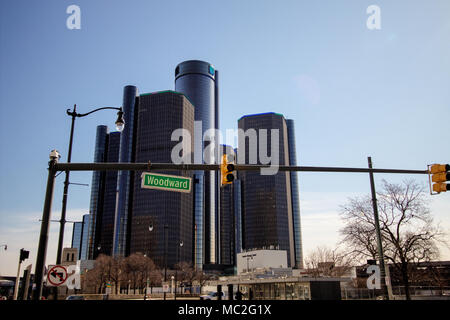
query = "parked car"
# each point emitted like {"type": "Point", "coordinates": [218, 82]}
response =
{"type": "Point", "coordinates": [213, 295]}
{"type": "Point", "coordinates": [75, 298]}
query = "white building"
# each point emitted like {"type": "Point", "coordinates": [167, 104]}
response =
{"type": "Point", "coordinates": [252, 261]}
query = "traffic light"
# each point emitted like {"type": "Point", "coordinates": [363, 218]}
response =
{"type": "Point", "coordinates": [24, 254]}
{"type": "Point", "coordinates": [439, 176]}
{"type": "Point", "coordinates": [227, 171]}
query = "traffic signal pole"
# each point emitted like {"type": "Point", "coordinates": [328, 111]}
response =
{"type": "Point", "coordinates": [378, 232]}
{"type": "Point", "coordinates": [111, 166]}
{"type": "Point", "coordinates": [16, 286]}
{"type": "Point", "coordinates": [43, 238]}
{"type": "Point", "coordinates": [54, 167]}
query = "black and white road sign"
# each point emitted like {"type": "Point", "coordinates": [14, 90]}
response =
{"type": "Point", "coordinates": [56, 276]}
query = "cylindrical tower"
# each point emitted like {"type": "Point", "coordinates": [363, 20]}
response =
{"type": "Point", "coordinates": [96, 192]}
{"type": "Point", "coordinates": [197, 80]}
{"type": "Point", "coordinates": [295, 196]}
{"type": "Point", "coordinates": [125, 178]}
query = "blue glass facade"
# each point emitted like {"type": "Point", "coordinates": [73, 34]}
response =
{"type": "Point", "coordinates": [160, 114]}
{"type": "Point", "coordinates": [85, 238]}
{"type": "Point", "coordinates": [266, 199]}
{"type": "Point", "coordinates": [105, 221]}
{"type": "Point", "coordinates": [295, 196]}
{"type": "Point", "coordinates": [103, 194]}
{"type": "Point", "coordinates": [77, 236]}
{"type": "Point", "coordinates": [198, 80]}
{"type": "Point", "coordinates": [125, 178]}
{"type": "Point", "coordinates": [97, 186]}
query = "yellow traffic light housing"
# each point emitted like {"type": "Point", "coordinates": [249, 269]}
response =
{"type": "Point", "coordinates": [226, 171]}
{"type": "Point", "coordinates": [439, 176]}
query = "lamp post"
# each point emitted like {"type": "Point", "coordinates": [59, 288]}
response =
{"type": "Point", "coordinates": [166, 227]}
{"type": "Point", "coordinates": [146, 288]}
{"type": "Point", "coordinates": [165, 256]}
{"type": "Point", "coordinates": [120, 124]}
{"type": "Point", "coordinates": [176, 270]}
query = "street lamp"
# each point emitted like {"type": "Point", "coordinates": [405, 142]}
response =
{"type": "Point", "coordinates": [150, 228]}
{"type": "Point", "coordinates": [176, 270]}
{"type": "Point", "coordinates": [120, 124]}
{"type": "Point", "coordinates": [99, 248]}
{"type": "Point", "coordinates": [146, 288]}
{"type": "Point", "coordinates": [172, 286]}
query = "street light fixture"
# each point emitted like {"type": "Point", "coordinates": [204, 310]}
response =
{"type": "Point", "coordinates": [120, 124]}
{"type": "Point", "coordinates": [176, 270]}
{"type": "Point", "coordinates": [150, 228]}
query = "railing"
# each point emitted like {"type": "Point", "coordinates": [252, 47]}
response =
{"type": "Point", "coordinates": [397, 291]}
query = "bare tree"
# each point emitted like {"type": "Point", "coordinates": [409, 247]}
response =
{"type": "Point", "coordinates": [202, 278]}
{"type": "Point", "coordinates": [408, 233]}
{"type": "Point", "coordinates": [327, 262]}
{"type": "Point", "coordinates": [101, 272]}
{"type": "Point", "coordinates": [115, 271]}
{"type": "Point", "coordinates": [185, 272]}
{"type": "Point", "coordinates": [134, 265]}
{"type": "Point", "coordinates": [148, 267]}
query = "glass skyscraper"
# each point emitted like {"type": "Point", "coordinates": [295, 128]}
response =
{"type": "Point", "coordinates": [295, 196]}
{"type": "Point", "coordinates": [160, 114]}
{"type": "Point", "coordinates": [198, 80]}
{"type": "Point", "coordinates": [125, 179]}
{"type": "Point", "coordinates": [267, 215]}
{"type": "Point", "coordinates": [97, 189]}
{"type": "Point", "coordinates": [77, 235]}
{"type": "Point", "coordinates": [103, 195]}
{"type": "Point", "coordinates": [85, 237]}
{"type": "Point", "coordinates": [80, 237]}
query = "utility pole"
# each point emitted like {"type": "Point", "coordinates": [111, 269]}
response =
{"type": "Point", "coordinates": [378, 232]}
{"type": "Point", "coordinates": [43, 238]}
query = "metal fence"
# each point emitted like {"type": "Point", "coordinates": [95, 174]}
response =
{"type": "Point", "coordinates": [397, 291]}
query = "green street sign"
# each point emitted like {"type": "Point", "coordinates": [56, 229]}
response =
{"type": "Point", "coordinates": [165, 182]}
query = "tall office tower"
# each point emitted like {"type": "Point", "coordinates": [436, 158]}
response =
{"type": "Point", "coordinates": [77, 235]}
{"type": "Point", "coordinates": [97, 189]}
{"type": "Point", "coordinates": [295, 196]}
{"type": "Point", "coordinates": [85, 238]}
{"type": "Point", "coordinates": [105, 221]}
{"type": "Point", "coordinates": [198, 80]}
{"type": "Point", "coordinates": [267, 219]}
{"type": "Point", "coordinates": [160, 114]}
{"type": "Point", "coordinates": [103, 195]}
{"type": "Point", "coordinates": [125, 179]}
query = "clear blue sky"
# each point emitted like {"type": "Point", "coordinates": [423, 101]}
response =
{"type": "Point", "coordinates": [353, 92]}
